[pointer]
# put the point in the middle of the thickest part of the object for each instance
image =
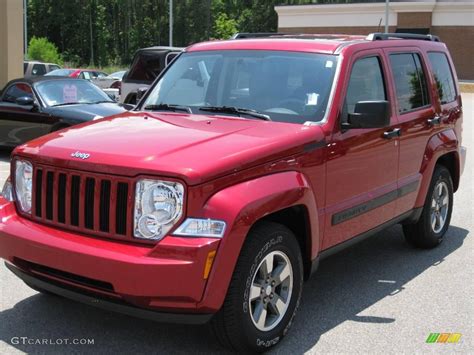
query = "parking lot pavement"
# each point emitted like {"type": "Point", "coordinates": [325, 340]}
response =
{"type": "Point", "coordinates": [381, 296]}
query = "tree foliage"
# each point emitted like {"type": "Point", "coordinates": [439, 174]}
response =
{"type": "Point", "coordinates": [43, 50]}
{"type": "Point", "coordinates": [108, 32]}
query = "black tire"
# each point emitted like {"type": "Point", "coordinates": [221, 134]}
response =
{"type": "Point", "coordinates": [233, 324]}
{"type": "Point", "coordinates": [422, 234]}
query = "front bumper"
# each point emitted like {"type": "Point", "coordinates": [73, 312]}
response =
{"type": "Point", "coordinates": [166, 277]}
{"type": "Point", "coordinates": [108, 304]}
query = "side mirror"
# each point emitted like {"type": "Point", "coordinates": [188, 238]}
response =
{"type": "Point", "coordinates": [369, 114]}
{"type": "Point", "coordinates": [25, 101]}
{"type": "Point", "coordinates": [141, 92]}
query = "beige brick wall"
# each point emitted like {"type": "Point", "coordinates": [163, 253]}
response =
{"type": "Point", "coordinates": [336, 30]}
{"type": "Point", "coordinates": [459, 39]}
{"type": "Point", "coordinates": [414, 20]}
{"type": "Point", "coordinates": [460, 42]}
{"type": "Point", "coordinates": [11, 40]}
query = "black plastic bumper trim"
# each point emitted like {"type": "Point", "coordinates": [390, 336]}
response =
{"type": "Point", "coordinates": [163, 317]}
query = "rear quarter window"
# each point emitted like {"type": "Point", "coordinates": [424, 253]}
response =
{"type": "Point", "coordinates": [38, 69]}
{"type": "Point", "coordinates": [443, 77]}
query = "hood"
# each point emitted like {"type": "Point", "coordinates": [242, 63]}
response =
{"type": "Point", "coordinates": [86, 112]}
{"type": "Point", "coordinates": [194, 148]}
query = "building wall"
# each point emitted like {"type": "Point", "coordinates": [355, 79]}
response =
{"type": "Point", "coordinates": [452, 21]}
{"type": "Point", "coordinates": [460, 41]}
{"type": "Point", "coordinates": [11, 40]}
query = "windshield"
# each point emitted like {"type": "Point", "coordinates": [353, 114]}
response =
{"type": "Point", "coordinates": [118, 74]}
{"type": "Point", "coordinates": [60, 72]}
{"type": "Point", "coordinates": [286, 86]}
{"type": "Point", "coordinates": [60, 92]}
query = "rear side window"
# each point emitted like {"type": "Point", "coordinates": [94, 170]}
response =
{"type": "Point", "coordinates": [410, 81]}
{"type": "Point", "coordinates": [85, 75]}
{"type": "Point", "coordinates": [146, 66]}
{"type": "Point", "coordinates": [53, 67]}
{"type": "Point", "coordinates": [170, 56]}
{"type": "Point", "coordinates": [17, 90]}
{"type": "Point", "coordinates": [366, 83]}
{"type": "Point", "coordinates": [38, 69]}
{"type": "Point", "coordinates": [443, 77]}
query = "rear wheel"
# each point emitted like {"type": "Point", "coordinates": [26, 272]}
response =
{"type": "Point", "coordinates": [434, 221]}
{"type": "Point", "coordinates": [264, 293]}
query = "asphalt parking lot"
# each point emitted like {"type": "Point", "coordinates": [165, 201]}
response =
{"type": "Point", "coordinates": [380, 296]}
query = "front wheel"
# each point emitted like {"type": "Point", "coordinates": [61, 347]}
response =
{"type": "Point", "coordinates": [264, 292]}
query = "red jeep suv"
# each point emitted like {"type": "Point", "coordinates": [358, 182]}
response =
{"type": "Point", "coordinates": [246, 163]}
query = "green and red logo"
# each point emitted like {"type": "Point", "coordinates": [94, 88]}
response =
{"type": "Point", "coordinates": [443, 338]}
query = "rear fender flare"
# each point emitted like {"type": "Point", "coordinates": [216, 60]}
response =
{"type": "Point", "coordinates": [440, 144]}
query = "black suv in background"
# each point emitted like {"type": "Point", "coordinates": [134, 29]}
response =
{"type": "Point", "coordinates": [147, 64]}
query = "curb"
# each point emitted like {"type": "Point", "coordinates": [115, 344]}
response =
{"type": "Point", "coordinates": [467, 87]}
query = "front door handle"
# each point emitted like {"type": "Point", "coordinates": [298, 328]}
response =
{"type": "Point", "coordinates": [396, 132]}
{"type": "Point", "coordinates": [436, 120]}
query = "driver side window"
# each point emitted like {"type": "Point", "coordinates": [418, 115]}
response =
{"type": "Point", "coordinates": [365, 84]}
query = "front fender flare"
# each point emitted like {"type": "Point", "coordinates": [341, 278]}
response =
{"type": "Point", "coordinates": [241, 206]}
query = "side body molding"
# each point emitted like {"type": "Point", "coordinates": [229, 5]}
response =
{"type": "Point", "coordinates": [240, 206]}
{"type": "Point", "coordinates": [438, 145]}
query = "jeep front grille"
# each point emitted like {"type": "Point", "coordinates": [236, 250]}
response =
{"type": "Point", "coordinates": [84, 202]}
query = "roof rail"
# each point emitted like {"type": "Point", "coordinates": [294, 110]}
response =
{"type": "Point", "coordinates": [385, 36]}
{"type": "Point", "coordinates": [243, 35]}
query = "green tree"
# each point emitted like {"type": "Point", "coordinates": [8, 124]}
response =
{"type": "Point", "coordinates": [224, 27]}
{"type": "Point", "coordinates": [43, 50]}
{"type": "Point", "coordinates": [108, 32]}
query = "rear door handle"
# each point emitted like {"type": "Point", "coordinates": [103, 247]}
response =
{"type": "Point", "coordinates": [396, 132]}
{"type": "Point", "coordinates": [436, 120]}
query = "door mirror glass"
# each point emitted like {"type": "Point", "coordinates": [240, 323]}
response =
{"type": "Point", "coordinates": [369, 114]}
{"type": "Point", "coordinates": [25, 101]}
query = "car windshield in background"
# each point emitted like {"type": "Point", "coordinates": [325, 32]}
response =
{"type": "Point", "coordinates": [60, 72]}
{"type": "Point", "coordinates": [118, 75]}
{"type": "Point", "coordinates": [68, 92]}
{"type": "Point", "coordinates": [286, 86]}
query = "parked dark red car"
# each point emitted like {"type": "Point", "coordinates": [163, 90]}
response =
{"type": "Point", "coordinates": [246, 163]}
{"type": "Point", "coordinates": [87, 74]}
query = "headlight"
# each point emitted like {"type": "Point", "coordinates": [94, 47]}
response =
{"type": "Point", "coordinates": [23, 184]}
{"type": "Point", "coordinates": [7, 191]}
{"type": "Point", "coordinates": [193, 227]}
{"type": "Point", "coordinates": [158, 206]}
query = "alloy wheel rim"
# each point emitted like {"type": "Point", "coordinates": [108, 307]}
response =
{"type": "Point", "coordinates": [270, 291]}
{"type": "Point", "coordinates": [439, 207]}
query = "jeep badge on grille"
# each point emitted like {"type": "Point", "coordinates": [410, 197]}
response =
{"type": "Point", "coordinates": [80, 155]}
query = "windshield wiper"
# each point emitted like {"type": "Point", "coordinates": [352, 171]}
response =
{"type": "Point", "coordinates": [101, 102]}
{"type": "Point", "coordinates": [237, 111]}
{"type": "Point", "coordinates": [67, 103]}
{"type": "Point", "coordinates": [166, 107]}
